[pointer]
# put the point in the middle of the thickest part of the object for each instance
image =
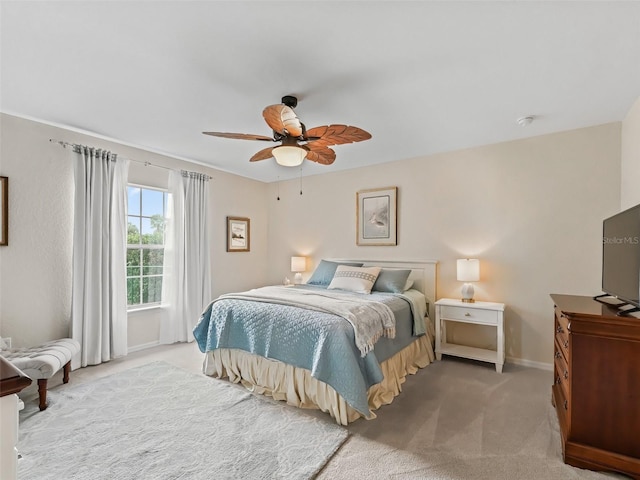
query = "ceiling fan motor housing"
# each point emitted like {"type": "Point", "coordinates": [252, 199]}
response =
{"type": "Point", "coordinates": [290, 101]}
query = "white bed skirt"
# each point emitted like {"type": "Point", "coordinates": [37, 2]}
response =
{"type": "Point", "coordinates": [297, 387]}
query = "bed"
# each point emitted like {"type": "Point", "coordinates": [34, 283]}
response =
{"type": "Point", "coordinates": [342, 352]}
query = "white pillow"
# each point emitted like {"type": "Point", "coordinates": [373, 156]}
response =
{"type": "Point", "coordinates": [354, 279]}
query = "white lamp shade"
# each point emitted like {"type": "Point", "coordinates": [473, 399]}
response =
{"type": "Point", "coordinates": [468, 270]}
{"type": "Point", "coordinates": [298, 264]}
{"type": "Point", "coordinates": [289, 156]}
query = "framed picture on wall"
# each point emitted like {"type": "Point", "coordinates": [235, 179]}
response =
{"type": "Point", "coordinates": [376, 216]}
{"type": "Point", "coordinates": [4, 211]}
{"type": "Point", "coordinates": [238, 234]}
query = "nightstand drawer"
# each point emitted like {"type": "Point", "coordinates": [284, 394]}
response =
{"type": "Point", "coordinates": [469, 314]}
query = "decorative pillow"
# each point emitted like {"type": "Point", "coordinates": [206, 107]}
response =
{"type": "Point", "coordinates": [323, 274]}
{"type": "Point", "coordinates": [392, 281]}
{"type": "Point", "coordinates": [354, 279]}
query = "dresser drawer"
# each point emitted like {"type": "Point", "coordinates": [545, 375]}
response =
{"type": "Point", "coordinates": [469, 314]}
{"type": "Point", "coordinates": [562, 409]}
{"type": "Point", "coordinates": [562, 329]}
{"type": "Point", "coordinates": [560, 352]}
{"type": "Point", "coordinates": [562, 379]}
{"type": "Point", "coordinates": [562, 345]}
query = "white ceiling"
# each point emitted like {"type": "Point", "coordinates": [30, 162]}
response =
{"type": "Point", "coordinates": [422, 77]}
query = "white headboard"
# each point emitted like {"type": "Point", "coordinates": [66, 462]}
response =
{"type": "Point", "coordinates": [423, 274]}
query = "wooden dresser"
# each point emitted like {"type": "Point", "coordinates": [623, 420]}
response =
{"type": "Point", "coordinates": [596, 389]}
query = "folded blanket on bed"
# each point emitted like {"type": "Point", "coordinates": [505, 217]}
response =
{"type": "Point", "coordinates": [370, 319]}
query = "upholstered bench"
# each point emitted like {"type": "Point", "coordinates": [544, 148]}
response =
{"type": "Point", "coordinates": [43, 362]}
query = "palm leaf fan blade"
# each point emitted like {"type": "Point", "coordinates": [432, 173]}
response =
{"type": "Point", "coordinates": [240, 136]}
{"type": "Point", "coordinates": [338, 134]}
{"type": "Point", "coordinates": [262, 154]}
{"type": "Point", "coordinates": [320, 154]}
{"type": "Point", "coordinates": [282, 119]}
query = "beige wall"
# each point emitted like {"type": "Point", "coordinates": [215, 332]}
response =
{"type": "Point", "coordinates": [630, 180]}
{"type": "Point", "coordinates": [35, 269]}
{"type": "Point", "coordinates": [531, 210]}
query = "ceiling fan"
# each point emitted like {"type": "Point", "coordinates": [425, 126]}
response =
{"type": "Point", "coordinates": [298, 143]}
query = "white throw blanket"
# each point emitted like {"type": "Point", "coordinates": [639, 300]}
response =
{"type": "Point", "coordinates": [370, 319]}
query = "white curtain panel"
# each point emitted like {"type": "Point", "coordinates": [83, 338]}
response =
{"type": "Point", "coordinates": [186, 283]}
{"type": "Point", "coordinates": [99, 303]}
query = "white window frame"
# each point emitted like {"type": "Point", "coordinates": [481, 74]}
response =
{"type": "Point", "coordinates": [141, 246]}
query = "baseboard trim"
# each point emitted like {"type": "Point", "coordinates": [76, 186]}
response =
{"type": "Point", "coordinates": [531, 363]}
{"type": "Point", "coordinates": [144, 346]}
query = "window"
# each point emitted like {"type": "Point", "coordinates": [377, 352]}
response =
{"type": "Point", "coordinates": [145, 245]}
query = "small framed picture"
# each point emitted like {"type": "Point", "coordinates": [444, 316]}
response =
{"type": "Point", "coordinates": [238, 234]}
{"type": "Point", "coordinates": [4, 211]}
{"type": "Point", "coordinates": [376, 216]}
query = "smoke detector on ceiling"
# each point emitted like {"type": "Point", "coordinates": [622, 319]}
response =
{"type": "Point", "coordinates": [525, 121]}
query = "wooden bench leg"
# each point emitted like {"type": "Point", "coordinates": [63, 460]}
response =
{"type": "Point", "coordinates": [66, 369]}
{"type": "Point", "coordinates": [42, 385]}
{"type": "Point", "coordinates": [42, 392]}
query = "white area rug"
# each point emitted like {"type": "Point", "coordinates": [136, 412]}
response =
{"type": "Point", "coordinates": [161, 422]}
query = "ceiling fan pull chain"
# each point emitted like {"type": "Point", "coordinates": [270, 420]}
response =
{"type": "Point", "coordinates": [300, 180]}
{"type": "Point", "coordinates": [278, 189]}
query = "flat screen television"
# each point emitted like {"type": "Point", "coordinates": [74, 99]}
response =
{"type": "Point", "coordinates": [621, 257]}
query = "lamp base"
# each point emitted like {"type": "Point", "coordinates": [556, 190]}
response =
{"type": "Point", "coordinates": [467, 293]}
{"type": "Point", "coordinates": [297, 278]}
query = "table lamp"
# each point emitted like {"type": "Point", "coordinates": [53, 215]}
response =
{"type": "Point", "coordinates": [468, 271]}
{"type": "Point", "coordinates": [298, 264]}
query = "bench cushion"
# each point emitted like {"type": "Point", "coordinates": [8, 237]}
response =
{"type": "Point", "coordinates": [44, 360]}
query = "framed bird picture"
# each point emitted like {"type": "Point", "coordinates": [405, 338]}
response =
{"type": "Point", "coordinates": [376, 216]}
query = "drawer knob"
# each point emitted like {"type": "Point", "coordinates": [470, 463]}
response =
{"type": "Point", "coordinates": [566, 374]}
{"type": "Point", "coordinates": [467, 314]}
{"type": "Point", "coordinates": [558, 380]}
{"type": "Point", "coordinates": [566, 405]}
{"type": "Point", "coordinates": [566, 344]}
{"type": "Point", "coordinates": [557, 354]}
{"type": "Point", "coordinates": [559, 329]}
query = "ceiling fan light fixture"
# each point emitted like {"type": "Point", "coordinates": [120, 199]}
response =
{"type": "Point", "coordinates": [289, 156]}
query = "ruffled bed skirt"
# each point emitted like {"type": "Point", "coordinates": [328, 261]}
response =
{"type": "Point", "coordinates": [297, 387]}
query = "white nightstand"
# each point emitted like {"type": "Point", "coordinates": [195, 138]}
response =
{"type": "Point", "coordinates": [479, 313]}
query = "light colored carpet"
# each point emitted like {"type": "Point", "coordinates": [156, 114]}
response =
{"type": "Point", "coordinates": [455, 420]}
{"type": "Point", "coordinates": [158, 421]}
{"type": "Point", "coordinates": [459, 419]}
